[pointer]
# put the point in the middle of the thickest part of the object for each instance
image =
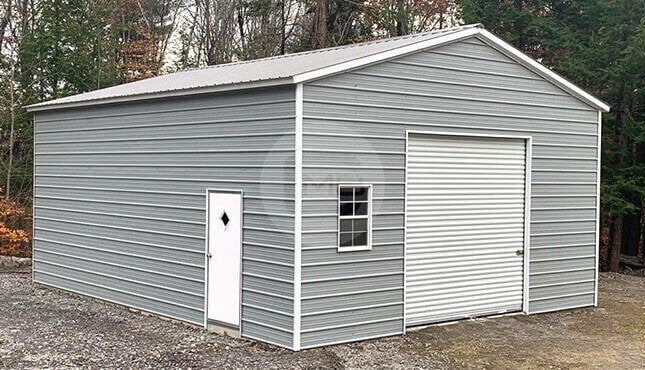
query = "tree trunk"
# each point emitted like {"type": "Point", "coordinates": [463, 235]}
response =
{"type": "Point", "coordinates": [208, 35]}
{"type": "Point", "coordinates": [400, 18]}
{"type": "Point", "coordinates": [12, 110]}
{"type": "Point", "coordinates": [320, 25]}
{"type": "Point", "coordinates": [4, 22]}
{"type": "Point", "coordinates": [240, 24]}
{"type": "Point", "coordinates": [283, 30]}
{"type": "Point", "coordinates": [641, 242]}
{"type": "Point", "coordinates": [617, 237]}
{"type": "Point", "coordinates": [519, 42]}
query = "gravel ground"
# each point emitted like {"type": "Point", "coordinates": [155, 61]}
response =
{"type": "Point", "coordinates": [42, 327]}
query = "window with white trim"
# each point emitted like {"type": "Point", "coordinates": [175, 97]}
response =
{"type": "Point", "coordinates": [354, 217]}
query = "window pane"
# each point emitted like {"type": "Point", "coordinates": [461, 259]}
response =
{"type": "Point", "coordinates": [360, 225]}
{"type": "Point", "coordinates": [361, 194]}
{"type": "Point", "coordinates": [360, 209]}
{"type": "Point", "coordinates": [346, 194]}
{"type": "Point", "coordinates": [346, 209]}
{"type": "Point", "coordinates": [345, 239]}
{"type": "Point", "coordinates": [345, 226]}
{"type": "Point", "coordinates": [353, 216]}
{"type": "Point", "coordinates": [360, 239]}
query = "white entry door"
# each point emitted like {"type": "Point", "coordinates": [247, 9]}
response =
{"type": "Point", "coordinates": [224, 257]}
{"type": "Point", "coordinates": [465, 227]}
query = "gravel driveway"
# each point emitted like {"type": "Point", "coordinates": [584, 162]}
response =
{"type": "Point", "coordinates": [41, 327]}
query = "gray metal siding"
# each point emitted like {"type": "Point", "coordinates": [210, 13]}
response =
{"type": "Point", "coordinates": [354, 128]}
{"type": "Point", "coordinates": [120, 202]}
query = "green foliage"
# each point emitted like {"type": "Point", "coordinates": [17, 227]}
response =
{"type": "Point", "coordinates": [68, 49]}
{"type": "Point", "coordinates": [524, 24]}
{"type": "Point", "coordinates": [63, 47]}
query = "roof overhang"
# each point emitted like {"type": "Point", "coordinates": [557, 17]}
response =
{"type": "Point", "coordinates": [46, 106]}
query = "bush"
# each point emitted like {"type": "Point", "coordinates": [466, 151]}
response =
{"type": "Point", "coordinates": [15, 229]}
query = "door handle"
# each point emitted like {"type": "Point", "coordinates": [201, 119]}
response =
{"type": "Point", "coordinates": [209, 255]}
{"type": "Point", "coordinates": [519, 252]}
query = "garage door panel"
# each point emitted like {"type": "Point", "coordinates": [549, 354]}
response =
{"type": "Point", "coordinates": [490, 306]}
{"type": "Point", "coordinates": [463, 214]}
{"type": "Point", "coordinates": [473, 222]}
{"type": "Point", "coordinates": [422, 280]}
{"type": "Point", "coordinates": [492, 254]}
{"type": "Point", "coordinates": [468, 244]}
{"type": "Point", "coordinates": [456, 298]}
{"type": "Point", "coordinates": [468, 249]}
{"type": "Point", "coordinates": [476, 268]}
{"type": "Point", "coordinates": [466, 145]}
{"type": "Point", "coordinates": [464, 200]}
{"type": "Point", "coordinates": [465, 226]}
{"type": "Point", "coordinates": [450, 235]}
{"type": "Point", "coordinates": [487, 282]}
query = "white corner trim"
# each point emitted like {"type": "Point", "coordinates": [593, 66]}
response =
{"type": "Point", "coordinates": [378, 57]}
{"type": "Point", "coordinates": [598, 164]}
{"type": "Point", "coordinates": [206, 251]}
{"type": "Point", "coordinates": [528, 174]}
{"type": "Point", "coordinates": [544, 71]}
{"type": "Point", "coordinates": [405, 233]}
{"type": "Point", "coordinates": [297, 260]}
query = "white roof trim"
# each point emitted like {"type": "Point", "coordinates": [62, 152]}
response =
{"type": "Point", "coordinates": [371, 59]}
{"type": "Point", "coordinates": [162, 94]}
{"type": "Point", "coordinates": [543, 71]}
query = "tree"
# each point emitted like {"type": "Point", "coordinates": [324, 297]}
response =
{"type": "Point", "coordinates": [221, 31]}
{"type": "Point", "coordinates": [600, 45]}
{"type": "Point", "coordinates": [401, 17]}
{"type": "Point", "coordinates": [68, 49]}
{"type": "Point", "coordinates": [143, 29]}
{"type": "Point", "coordinates": [14, 123]}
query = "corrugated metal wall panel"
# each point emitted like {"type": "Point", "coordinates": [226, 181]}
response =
{"type": "Point", "coordinates": [354, 331]}
{"type": "Point", "coordinates": [354, 131]}
{"type": "Point", "coordinates": [113, 294]}
{"type": "Point", "coordinates": [120, 202]}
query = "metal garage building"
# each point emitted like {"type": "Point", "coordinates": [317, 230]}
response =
{"type": "Point", "coordinates": [327, 196]}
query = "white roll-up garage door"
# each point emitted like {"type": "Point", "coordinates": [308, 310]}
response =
{"type": "Point", "coordinates": [465, 227]}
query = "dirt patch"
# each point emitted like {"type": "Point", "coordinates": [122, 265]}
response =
{"type": "Point", "coordinates": [42, 327]}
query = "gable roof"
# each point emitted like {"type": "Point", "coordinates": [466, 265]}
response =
{"type": "Point", "coordinates": [303, 67]}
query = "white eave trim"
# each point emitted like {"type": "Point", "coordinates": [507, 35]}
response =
{"type": "Point", "coordinates": [51, 105]}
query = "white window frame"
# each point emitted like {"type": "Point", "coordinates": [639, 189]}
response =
{"type": "Point", "coordinates": [367, 247]}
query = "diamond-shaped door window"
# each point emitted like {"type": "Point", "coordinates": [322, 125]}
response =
{"type": "Point", "coordinates": [224, 218]}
